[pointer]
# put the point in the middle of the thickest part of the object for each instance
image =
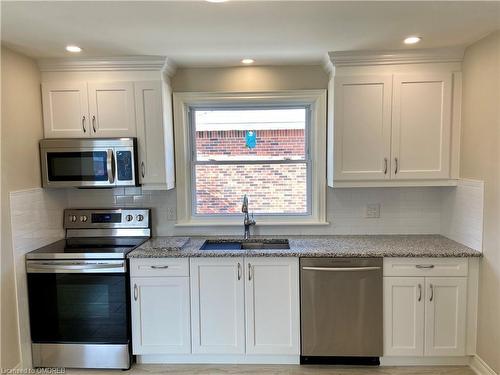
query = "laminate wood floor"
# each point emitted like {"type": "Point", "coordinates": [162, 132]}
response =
{"type": "Point", "coordinates": [278, 370]}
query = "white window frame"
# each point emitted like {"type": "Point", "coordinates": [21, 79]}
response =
{"type": "Point", "coordinates": [315, 99]}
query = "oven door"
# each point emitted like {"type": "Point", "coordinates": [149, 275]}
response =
{"type": "Point", "coordinates": [78, 167]}
{"type": "Point", "coordinates": [71, 306]}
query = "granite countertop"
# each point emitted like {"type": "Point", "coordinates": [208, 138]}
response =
{"type": "Point", "coordinates": [313, 246]}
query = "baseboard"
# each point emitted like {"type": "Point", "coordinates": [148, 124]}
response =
{"type": "Point", "coordinates": [480, 367]}
{"type": "Point", "coordinates": [425, 361]}
{"type": "Point", "coordinates": [218, 359]}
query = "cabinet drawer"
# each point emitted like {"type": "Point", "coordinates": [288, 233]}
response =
{"type": "Point", "coordinates": [425, 266]}
{"type": "Point", "coordinates": [159, 267]}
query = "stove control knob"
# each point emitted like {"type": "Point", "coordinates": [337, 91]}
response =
{"type": "Point", "coordinates": [140, 217]}
{"type": "Point", "coordinates": [83, 218]}
{"type": "Point", "coordinates": [129, 218]}
{"type": "Point", "coordinates": [73, 218]}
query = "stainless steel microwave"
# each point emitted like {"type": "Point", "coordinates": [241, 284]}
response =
{"type": "Point", "coordinates": [87, 162]}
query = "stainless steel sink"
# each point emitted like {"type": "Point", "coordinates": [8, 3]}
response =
{"type": "Point", "coordinates": [257, 244]}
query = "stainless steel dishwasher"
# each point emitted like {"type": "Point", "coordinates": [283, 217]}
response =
{"type": "Point", "coordinates": [341, 310]}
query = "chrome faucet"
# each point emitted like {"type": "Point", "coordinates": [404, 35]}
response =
{"type": "Point", "coordinates": [247, 222]}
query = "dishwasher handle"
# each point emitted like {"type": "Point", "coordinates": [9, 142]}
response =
{"type": "Point", "coordinates": [341, 269]}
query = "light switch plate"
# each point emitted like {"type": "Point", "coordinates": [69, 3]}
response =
{"type": "Point", "coordinates": [372, 211]}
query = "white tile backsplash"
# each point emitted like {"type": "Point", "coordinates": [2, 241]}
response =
{"type": "Point", "coordinates": [36, 220]}
{"type": "Point", "coordinates": [402, 210]}
{"type": "Point", "coordinates": [462, 213]}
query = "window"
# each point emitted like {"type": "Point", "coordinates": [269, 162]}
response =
{"type": "Point", "coordinates": [259, 151]}
{"type": "Point", "coordinates": [269, 146]}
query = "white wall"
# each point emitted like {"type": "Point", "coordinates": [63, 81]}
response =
{"type": "Point", "coordinates": [21, 130]}
{"type": "Point", "coordinates": [480, 159]}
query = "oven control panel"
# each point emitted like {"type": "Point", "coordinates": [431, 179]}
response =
{"type": "Point", "coordinates": [107, 218]}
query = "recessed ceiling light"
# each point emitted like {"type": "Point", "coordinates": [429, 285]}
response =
{"type": "Point", "coordinates": [248, 61]}
{"type": "Point", "coordinates": [412, 39]}
{"type": "Point", "coordinates": [73, 49]}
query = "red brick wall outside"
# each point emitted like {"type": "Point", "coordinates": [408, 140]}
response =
{"type": "Point", "coordinates": [287, 142]}
{"type": "Point", "coordinates": [271, 188]}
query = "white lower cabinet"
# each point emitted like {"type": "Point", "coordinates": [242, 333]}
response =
{"type": "Point", "coordinates": [217, 305]}
{"type": "Point", "coordinates": [425, 316]}
{"type": "Point", "coordinates": [245, 306]}
{"type": "Point", "coordinates": [445, 313]}
{"type": "Point", "coordinates": [160, 315]}
{"type": "Point", "coordinates": [404, 316]}
{"type": "Point", "coordinates": [272, 306]}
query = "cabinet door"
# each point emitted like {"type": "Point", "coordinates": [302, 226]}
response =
{"type": "Point", "coordinates": [160, 315]}
{"type": "Point", "coordinates": [362, 127]}
{"type": "Point", "coordinates": [112, 111]}
{"type": "Point", "coordinates": [445, 316]}
{"type": "Point", "coordinates": [65, 110]}
{"type": "Point", "coordinates": [217, 305]}
{"type": "Point", "coordinates": [421, 126]}
{"type": "Point", "coordinates": [150, 134]}
{"type": "Point", "coordinates": [404, 316]}
{"type": "Point", "coordinates": [272, 306]}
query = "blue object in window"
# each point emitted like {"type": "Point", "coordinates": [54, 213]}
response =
{"type": "Point", "coordinates": [251, 139]}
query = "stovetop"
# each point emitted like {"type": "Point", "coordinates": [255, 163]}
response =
{"type": "Point", "coordinates": [88, 248]}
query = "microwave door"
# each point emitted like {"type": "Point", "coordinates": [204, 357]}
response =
{"type": "Point", "coordinates": [79, 167]}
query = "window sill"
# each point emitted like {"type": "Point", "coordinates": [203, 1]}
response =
{"type": "Point", "coordinates": [239, 223]}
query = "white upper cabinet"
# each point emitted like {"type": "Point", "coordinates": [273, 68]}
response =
{"type": "Point", "coordinates": [272, 306]}
{"type": "Point", "coordinates": [362, 127]}
{"type": "Point", "coordinates": [80, 109]}
{"type": "Point", "coordinates": [154, 135]}
{"type": "Point", "coordinates": [421, 126]}
{"type": "Point", "coordinates": [111, 106]}
{"type": "Point", "coordinates": [394, 118]}
{"type": "Point", "coordinates": [65, 110]}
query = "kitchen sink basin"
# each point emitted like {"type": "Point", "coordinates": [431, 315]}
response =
{"type": "Point", "coordinates": [232, 245]}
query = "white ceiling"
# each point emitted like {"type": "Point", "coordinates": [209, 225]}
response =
{"type": "Point", "coordinates": [198, 33]}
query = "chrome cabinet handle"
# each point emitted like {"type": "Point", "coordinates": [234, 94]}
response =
{"type": "Point", "coordinates": [385, 165]}
{"type": "Point", "coordinates": [93, 123]}
{"type": "Point", "coordinates": [249, 272]}
{"type": "Point", "coordinates": [419, 292]}
{"type": "Point", "coordinates": [432, 293]}
{"type": "Point", "coordinates": [396, 169]}
{"type": "Point", "coordinates": [143, 169]}
{"type": "Point", "coordinates": [83, 124]}
{"type": "Point", "coordinates": [424, 266]}
{"type": "Point", "coordinates": [239, 271]}
{"type": "Point", "coordinates": [136, 292]}
{"type": "Point", "coordinates": [159, 267]}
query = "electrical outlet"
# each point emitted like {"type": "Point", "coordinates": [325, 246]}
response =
{"type": "Point", "coordinates": [373, 211]}
{"type": "Point", "coordinates": [171, 213]}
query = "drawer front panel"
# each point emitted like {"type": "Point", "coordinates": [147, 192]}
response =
{"type": "Point", "coordinates": [159, 267]}
{"type": "Point", "coordinates": [425, 266]}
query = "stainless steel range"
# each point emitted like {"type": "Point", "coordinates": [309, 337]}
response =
{"type": "Point", "coordinates": [78, 289]}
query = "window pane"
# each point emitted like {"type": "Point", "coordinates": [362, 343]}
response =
{"type": "Point", "coordinates": [256, 134]}
{"type": "Point", "coordinates": [271, 188]}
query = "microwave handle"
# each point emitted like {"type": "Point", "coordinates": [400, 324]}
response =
{"type": "Point", "coordinates": [111, 166]}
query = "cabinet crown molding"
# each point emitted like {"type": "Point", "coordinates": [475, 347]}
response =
{"type": "Point", "coordinates": [94, 64]}
{"type": "Point", "coordinates": [385, 57]}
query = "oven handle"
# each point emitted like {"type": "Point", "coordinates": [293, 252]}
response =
{"type": "Point", "coordinates": [111, 166]}
{"type": "Point", "coordinates": [341, 269]}
{"type": "Point", "coordinates": [74, 266]}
